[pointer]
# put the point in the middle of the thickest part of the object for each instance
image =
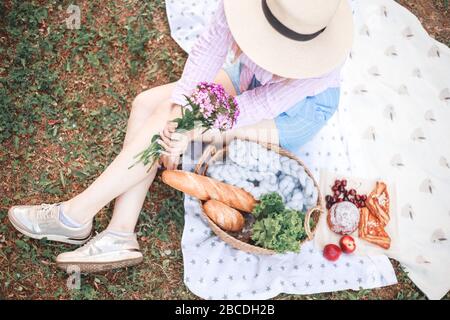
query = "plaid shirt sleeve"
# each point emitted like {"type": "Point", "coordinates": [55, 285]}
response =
{"type": "Point", "coordinates": [206, 57]}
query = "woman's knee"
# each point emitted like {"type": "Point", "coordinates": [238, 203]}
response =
{"type": "Point", "coordinates": [166, 111]}
{"type": "Point", "coordinates": [145, 103]}
{"type": "Point", "coordinates": [142, 105]}
{"type": "Point", "coordinates": [161, 113]}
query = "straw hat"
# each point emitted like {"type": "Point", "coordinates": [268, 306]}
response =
{"type": "Point", "coordinates": [292, 38]}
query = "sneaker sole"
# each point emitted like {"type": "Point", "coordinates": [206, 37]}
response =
{"type": "Point", "coordinates": [92, 267]}
{"type": "Point", "coordinates": [50, 237]}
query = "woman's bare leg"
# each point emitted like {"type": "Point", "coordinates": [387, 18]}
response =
{"type": "Point", "coordinates": [131, 186]}
{"type": "Point", "coordinates": [128, 205]}
{"type": "Point", "coordinates": [84, 206]}
{"type": "Point", "coordinates": [118, 176]}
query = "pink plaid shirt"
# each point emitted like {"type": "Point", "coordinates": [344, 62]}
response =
{"type": "Point", "coordinates": [273, 97]}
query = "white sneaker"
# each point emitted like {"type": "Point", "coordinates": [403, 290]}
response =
{"type": "Point", "coordinates": [103, 252]}
{"type": "Point", "coordinates": [42, 221]}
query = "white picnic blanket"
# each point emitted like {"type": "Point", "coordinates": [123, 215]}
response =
{"type": "Point", "coordinates": [396, 88]}
{"type": "Point", "coordinates": [214, 270]}
{"type": "Point", "coordinates": [392, 123]}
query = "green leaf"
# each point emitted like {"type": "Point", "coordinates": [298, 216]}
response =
{"type": "Point", "coordinates": [22, 245]}
{"type": "Point", "coordinates": [276, 227]}
{"type": "Point", "coordinates": [270, 203]}
{"type": "Point", "coordinates": [16, 143]}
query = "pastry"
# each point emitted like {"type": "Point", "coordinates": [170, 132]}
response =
{"type": "Point", "coordinates": [205, 188]}
{"type": "Point", "coordinates": [224, 216]}
{"type": "Point", "coordinates": [343, 217]}
{"type": "Point", "coordinates": [378, 202]}
{"type": "Point", "coordinates": [372, 230]}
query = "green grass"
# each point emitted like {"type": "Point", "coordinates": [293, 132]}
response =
{"type": "Point", "coordinates": [64, 102]}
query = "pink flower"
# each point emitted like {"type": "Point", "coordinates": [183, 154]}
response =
{"type": "Point", "coordinates": [209, 105]}
{"type": "Point", "coordinates": [216, 107]}
{"type": "Point", "coordinates": [222, 122]}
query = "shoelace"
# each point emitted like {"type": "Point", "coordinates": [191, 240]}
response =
{"type": "Point", "coordinates": [45, 212]}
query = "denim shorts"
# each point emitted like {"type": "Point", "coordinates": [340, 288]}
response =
{"type": "Point", "coordinates": [301, 122]}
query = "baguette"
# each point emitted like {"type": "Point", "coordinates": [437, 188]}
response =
{"type": "Point", "coordinates": [205, 188]}
{"type": "Point", "coordinates": [224, 216]}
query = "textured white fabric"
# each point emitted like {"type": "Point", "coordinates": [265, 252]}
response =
{"type": "Point", "coordinates": [392, 122]}
{"type": "Point", "coordinates": [396, 91]}
{"type": "Point", "coordinates": [214, 270]}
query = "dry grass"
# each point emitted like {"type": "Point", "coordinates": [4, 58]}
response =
{"type": "Point", "coordinates": [64, 99]}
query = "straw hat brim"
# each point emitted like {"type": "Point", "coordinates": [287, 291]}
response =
{"type": "Point", "coordinates": [285, 57]}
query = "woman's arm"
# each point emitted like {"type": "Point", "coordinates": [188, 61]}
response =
{"type": "Point", "coordinates": [206, 57]}
{"type": "Point", "coordinates": [269, 101]}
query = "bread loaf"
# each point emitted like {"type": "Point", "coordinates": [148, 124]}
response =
{"type": "Point", "coordinates": [224, 216]}
{"type": "Point", "coordinates": [205, 188]}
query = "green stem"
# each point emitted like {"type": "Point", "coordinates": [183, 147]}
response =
{"type": "Point", "coordinates": [150, 154]}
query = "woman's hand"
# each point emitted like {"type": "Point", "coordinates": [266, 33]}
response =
{"type": "Point", "coordinates": [174, 144]}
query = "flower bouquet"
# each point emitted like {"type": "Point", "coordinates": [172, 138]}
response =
{"type": "Point", "coordinates": [209, 106]}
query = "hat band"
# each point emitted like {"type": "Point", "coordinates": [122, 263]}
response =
{"type": "Point", "coordinates": [285, 31]}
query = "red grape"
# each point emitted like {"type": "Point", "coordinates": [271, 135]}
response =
{"type": "Point", "coordinates": [340, 193]}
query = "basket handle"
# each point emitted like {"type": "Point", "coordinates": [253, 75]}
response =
{"type": "Point", "coordinates": [308, 218]}
{"type": "Point", "coordinates": [209, 151]}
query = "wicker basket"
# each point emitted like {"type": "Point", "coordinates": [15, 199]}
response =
{"type": "Point", "coordinates": [210, 155]}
